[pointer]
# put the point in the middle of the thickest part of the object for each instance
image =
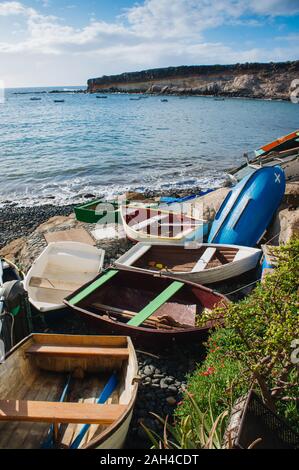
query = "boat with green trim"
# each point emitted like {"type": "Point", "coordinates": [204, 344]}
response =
{"type": "Point", "coordinates": [154, 310]}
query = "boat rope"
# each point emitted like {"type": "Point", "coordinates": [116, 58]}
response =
{"type": "Point", "coordinates": [271, 239]}
{"type": "Point", "coordinates": [243, 287]}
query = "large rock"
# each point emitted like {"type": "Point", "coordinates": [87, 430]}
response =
{"type": "Point", "coordinates": [208, 205]}
{"type": "Point", "coordinates": [285, 226]}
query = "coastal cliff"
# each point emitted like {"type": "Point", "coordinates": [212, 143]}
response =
{"type": "Point", "coordinates": [252, 80]}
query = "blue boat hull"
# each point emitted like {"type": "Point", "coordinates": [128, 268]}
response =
{"type": "Point", "coordinates": [249, 207]}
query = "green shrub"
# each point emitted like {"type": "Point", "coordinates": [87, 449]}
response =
{"type": "Point", "coordinates": [261, 330]}
{"type": "Point", "coordinates": [220, 374]}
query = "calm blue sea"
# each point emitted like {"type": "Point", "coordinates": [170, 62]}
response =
{"type": "Point", "coordinates": [107, 146]}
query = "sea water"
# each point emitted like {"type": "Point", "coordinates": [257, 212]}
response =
{"type": "Point", "coordinates": [62, 151]}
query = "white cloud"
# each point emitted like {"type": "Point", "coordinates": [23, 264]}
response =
{"type": "Point", "coordinates": [154, 33]}
{"type": "Point", "coordinates": [274, 7]}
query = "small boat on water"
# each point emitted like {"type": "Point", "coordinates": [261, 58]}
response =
{"type": "Point", "coordinates": [201, 263]}
{"type": "Point", "coordinates": [248, 208]}
{"type": "Point", "coordinates": [67, 392]}
{"type": "Point", "coordinates": [59, 270]}
{"type": "Point", "coordinates": [102, 97]}
{"type": "Point", "coordinates": [59, 101]}
{"type": "Point", "coordinates": [156, 225]}
{"type": "Point", "coordinates": [35, 99]}
{"type": "Point", "coordinates": [164, 100]}
{"type": "Point", "coordinates": [153, 310]}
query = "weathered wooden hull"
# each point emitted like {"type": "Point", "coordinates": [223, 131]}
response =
{"type": "Point", "coordinates": [144, 338]}
{"type": "Point", "coordinates": [130, 292]}
{"type": "Point", "coordinates": [206, 276]}
{"type": "Point", "coordinates": [18, 380]}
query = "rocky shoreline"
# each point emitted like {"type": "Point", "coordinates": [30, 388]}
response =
{"type": "Point", "coordinates": [250, 80]}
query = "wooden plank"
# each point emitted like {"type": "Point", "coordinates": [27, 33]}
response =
{"type": "Point", "coordinates": [93, 286]}
{"type": "Point", "coordinates": [72, 235]}
{"type": "Point", "coordinates": [77, 351]}
{"type": "Point", "coordinates": [204, 260]}
{"type": "Point", "coordinates": [155, 304]}
{"type": "Point", "coordinates": [81, 340]}
{"type": "Point", "coordinates": [56, 412]}
{"type": "Point", "coordinates": [137, 253]}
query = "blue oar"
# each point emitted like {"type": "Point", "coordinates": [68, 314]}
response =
{"type": "Point", "coordinates": [106, 393]}
{"type": "Point", "coordinates": [49, 441]}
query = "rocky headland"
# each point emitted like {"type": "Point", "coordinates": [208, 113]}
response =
{"type": "Point", "coordinates": [250, 80]}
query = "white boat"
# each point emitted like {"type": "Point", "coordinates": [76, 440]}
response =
{"type": "Point", "coordinates": [156, 225]}
{"type": "Point", "coordinates": [203, 263]}
{"type": "Point", "coordinates": [288, 160]}
{"type": "Point", "coordinates": [68, 392]}
{"type": "Point", "coordinates": [61, 269]}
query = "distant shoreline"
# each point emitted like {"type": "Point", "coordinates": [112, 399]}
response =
{"type": "Point", "coordinates": [249, 80]}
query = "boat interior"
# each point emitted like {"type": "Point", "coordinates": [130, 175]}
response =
{"type": "Point", "coordinates": [55, 276]}
{"type": "Point", "coordinates": [159, 223]}
{"type": "Point", "coordinates": [45, 368]}
{"type": "Point", "coordinates": [180, 259]}
{"type": "Point", "coordinates": [128, 293]}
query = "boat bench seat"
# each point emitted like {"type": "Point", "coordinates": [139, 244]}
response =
{"type": "Point", "coordinates": [204, 260]}
{"type": "Point", "coordinates": [58, 412]}
{"type": "Point", "coordinates": [77, 351]}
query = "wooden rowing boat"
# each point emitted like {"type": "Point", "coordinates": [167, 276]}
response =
{"type": "Point", "coordinates": [156, 225]}
{"type": "Point", "coordinates": [153, 310]}
{"type": "Point", "coordinates": [201, 263]}
{"type": "Point", "coordinates": [60, 269]}
{"type": "Point", "coordinates": [67, 392]}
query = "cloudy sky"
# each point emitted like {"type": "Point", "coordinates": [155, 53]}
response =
{"type": "Point", "coordinates": [65, 42]}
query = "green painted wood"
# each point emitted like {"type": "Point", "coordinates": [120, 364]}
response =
{"type": "Point", "coordinates": [155, 304]}
{"type": "Point", "coordinates": [92, 287]}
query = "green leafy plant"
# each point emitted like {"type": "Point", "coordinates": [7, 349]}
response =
{"type": "Point", "coordinates": [198, 430]}
{"type": "Point", "coordinates": [261, 330]}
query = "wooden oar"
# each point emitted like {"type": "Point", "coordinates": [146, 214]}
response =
{"type": "Point", "coordinates": [105, 394]}
{"type": "Point", "coordinates": [49, 441]}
